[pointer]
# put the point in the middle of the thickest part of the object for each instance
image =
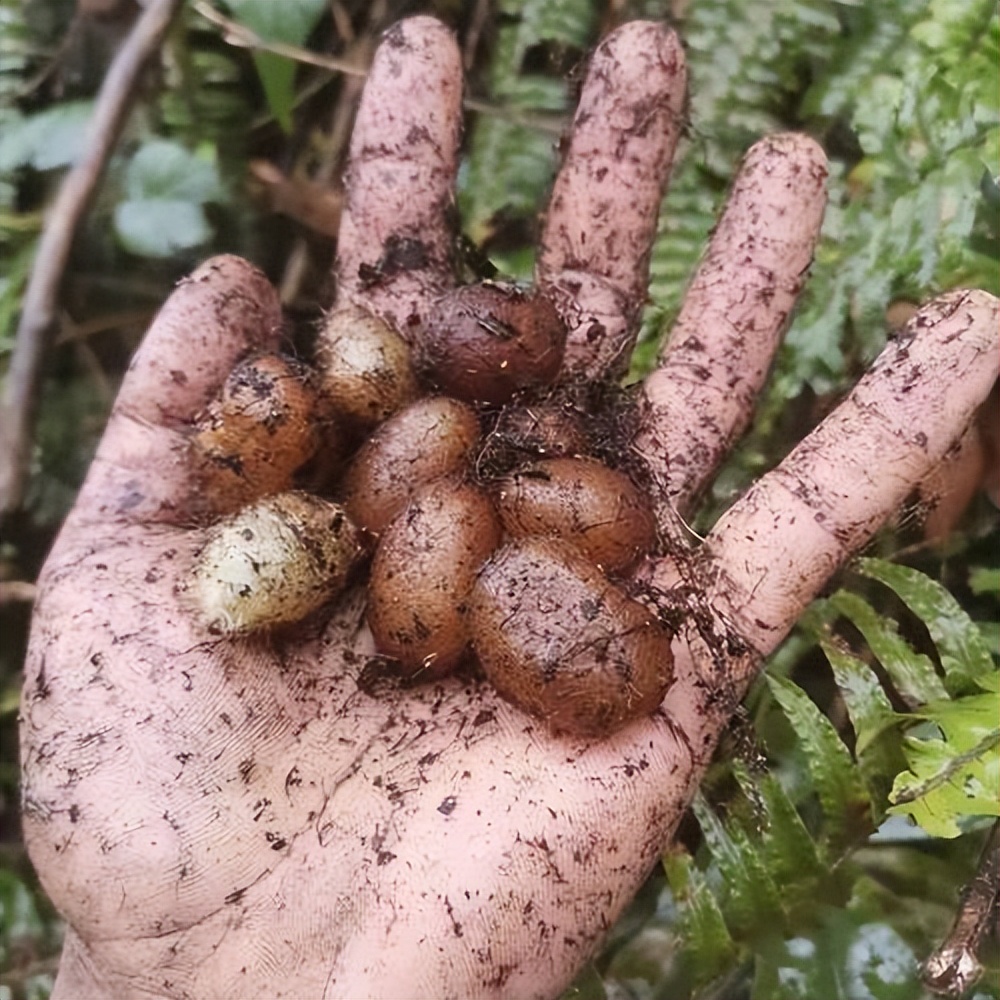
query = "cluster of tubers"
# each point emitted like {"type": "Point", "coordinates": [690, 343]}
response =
{"type": "Point", "coordinates": [517, 562]}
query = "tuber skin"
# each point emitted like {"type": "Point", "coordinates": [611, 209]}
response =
{"type": "Point", "coordinates": [560, 641]}
{"type": "Point", "coordinates": [483, 343]}
{"type": "Point", "coordinates": [237, 817]}
{"type": "Point", "coordinates": [364, 365]}
{"type": "Point", "coordinates": [273, 563]}
{"type": "Point", "coordinates": [260, 429]}
{"type": "Point", "coordinates": [598, 511]}
{"type": "Point", "coordinates": [432, 437]}
{"type": "Point", "coordinates": [423, 573]}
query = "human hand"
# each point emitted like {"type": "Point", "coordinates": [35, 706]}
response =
{"type": "Point", "coordinates": [236, 817]}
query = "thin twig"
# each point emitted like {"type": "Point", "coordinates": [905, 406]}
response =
{"type": "Point", "coordinates": [361, 51]}
{"type": "Point", "coordinates": [955, 967]}
{"type": "Point", "coordinates": [39, 316]}
{"type": "Point", "coordinates": [241, 36]}
{"type": "Point", "coordinates": [16, 591]}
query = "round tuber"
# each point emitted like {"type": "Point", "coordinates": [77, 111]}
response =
{"type": "Point", "coordinates": [430, 438]}
{"type": "Point", "coordinates": [483, 343]}
{"type": "Point", "coordinates": [561, 642]}
{"type": "Point", "coordinates": [256, 433]}
{"type": "Point", "coordinates": [599, 511]}
{"type": "Point", "coordinates": [364, 367]}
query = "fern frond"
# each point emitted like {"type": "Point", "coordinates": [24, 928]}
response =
{"type": "Point", "coordinates": [964, 655]}
{"type": "Point", "coordinates": [843, 796]}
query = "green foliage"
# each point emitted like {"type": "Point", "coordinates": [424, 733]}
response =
{"type": "Point", "coordinates": [511, 162]}
{"type": "Point", "coordinates": [762, 893]}
{"type": "Point", "coordinates": [25, 931]}
{"type": "Point", "coordinates": [906, 95]}
{"type": "Point", "coordinates": [954, 766]}
{"type": "Point", "coordinates": [166, 188]}
{"type": "Point", "coordinates": [47, 140]}
{"type": "Point", "coordinates": [291, 22]}
{"type": "Point", "coordinates": [787, 891]}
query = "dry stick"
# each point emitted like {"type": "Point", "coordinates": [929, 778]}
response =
{"type": "Point", "coordinates": [343, 116]}
{"type": "Point", "coordinates": [39, 314]}
{"type": "Point", "coordinates": [242, 37]}
{"type": "Point", "coordinates": [955, 967]}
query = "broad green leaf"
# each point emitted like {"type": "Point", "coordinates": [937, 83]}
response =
{"type": "Point", "coordinates": [509, 169]}
{"type": "Point", "coordinates": [161, 227]}
{"type": "Point", "coordinates": [19, 917]}
{"type": "Point", "coordinates": [876, 742]}
{"type": "Point", "coordinates": [956, 776]}
{"type": "Point", "coordinates": [985, 579]}
{"type": "Point", "coordinates": [46, 140]}
{"type": "Point", "coordinates": [960, 645]}
{"type": "Point", "coordinates": [289, 21]}
{"type": "Point", "coordinates": [166, 170]}
{"type": "Point", "coordinates": [277, 76]}
{"type": "Point", "coordinates": [588, 985]}
{"type": "Point", "coordinates": [845, 801]}
{"type": "Point", "coordinates": [167, 187]}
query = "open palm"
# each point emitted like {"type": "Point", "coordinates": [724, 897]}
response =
{"type": "Point", "coordinates": [241, 817]}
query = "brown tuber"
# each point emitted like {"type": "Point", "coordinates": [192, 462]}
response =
{"type": "Point", "coordinates": [561, 642]}
{"type": "Point", "coordinates": [364, 367]}
{"type": "Point", "coordinates": [423, 572]}
{"type": "Point", "coordinates": [256, 433]}
{"type": "Point", "coordinates": [273, 563]}
{"type": "Point", "coordinates": [483, 343]}
{"type": "Point", "coordinates": [430, 438]}
{"type": "Point", "coordinates": [548, 429]}
{"type": "Point", "coordinates": [599, 511]}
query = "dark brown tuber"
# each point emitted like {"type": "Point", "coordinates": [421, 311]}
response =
{"type": "Point", "coordinates": [433, 437]}
{"type": "Point", "coordinates": [483, 343]}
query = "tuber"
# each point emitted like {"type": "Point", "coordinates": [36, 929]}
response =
{"type": "Point", "coordinates": [273, 563]}
{"type": "Point", "coordinates": [430, 438]}
{"type": "Point", "coordinates": [561, 642]}
{"type": "Point", "coordinates": [364, 367]}
{"type": "Point", "coordinates": [598, 510]}
{"type": "Point", "coordinates": [256, 433]}
{"type": "Point", "coordinates": [483, 343]}
{"type": "Point", "coordinates": [423, 572]}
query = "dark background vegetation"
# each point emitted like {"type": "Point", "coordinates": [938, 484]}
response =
{"type": "Point", "coordinates": [790, 878]}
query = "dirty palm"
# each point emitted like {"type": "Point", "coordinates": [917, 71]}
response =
{"type": "Point", "coordinates": [235, 816]}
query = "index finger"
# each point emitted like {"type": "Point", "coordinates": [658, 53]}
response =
{"type": "Point", "coordinates": [395, 243]}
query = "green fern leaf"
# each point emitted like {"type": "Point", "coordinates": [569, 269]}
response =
{"type": "Point", "coordinates": [957, 776]}
{"type": "Point", "coordinates": [845, 800]}
{"type": "Point", "coordinates": [791, 855]}
{"type": "Point", "coordinates": [964, 655]}
{"type": "Point", "coordinates": [750, 893]}
{"type": "Point", "coordinates": [511, 164]}
{"type": "Point", "coordinates": [867, 704]}
{"type": "Point", "coordinates": [913, 674]}
{"type": "Point", "coordinates": [708, 945]}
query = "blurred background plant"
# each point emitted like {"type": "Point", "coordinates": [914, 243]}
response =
{"type": "Point", "coordinates": [855, 796]}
